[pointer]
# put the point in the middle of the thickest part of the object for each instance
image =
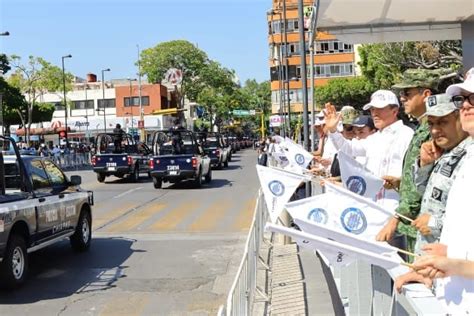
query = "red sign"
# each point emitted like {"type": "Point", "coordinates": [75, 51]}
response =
{"type": "Point", "coordinates": [62, 134]}
{"type": "Point", "coordinates": [141, 124]}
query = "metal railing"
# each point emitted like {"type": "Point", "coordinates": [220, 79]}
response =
{"type": "Point", "coordinates": [73, 160]}
{"type": "Point", "coordinates": [244, 288]}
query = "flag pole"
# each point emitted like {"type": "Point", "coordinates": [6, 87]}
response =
{"type": "Point", "coordinates": [407, 252]}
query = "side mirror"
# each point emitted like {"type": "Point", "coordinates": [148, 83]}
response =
{"type": "Point", "coordinates": [76, 180]}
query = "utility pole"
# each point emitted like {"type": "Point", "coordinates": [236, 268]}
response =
{"type": "Point", "coordinates": [142, 115]}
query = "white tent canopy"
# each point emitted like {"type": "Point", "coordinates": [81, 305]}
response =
{"type": "Point", "coordinates": [378, 21]}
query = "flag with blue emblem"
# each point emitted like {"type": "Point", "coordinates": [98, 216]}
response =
{"type": "Point", "coordinates": [338, 258]}
{"type": "Point", "coordinates": [298, 157]}
{"type": "Point", "coordinates": [357, 178]}
{"type": "Point", "coordinates": [343, 210]}
{"type": "Point", "coordinates": [278, 186]}
{"type": "Point", "coordinates": [345, 252]}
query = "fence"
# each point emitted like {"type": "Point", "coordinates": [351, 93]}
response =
{"type": "Point", "coordinates": [73, 161]}
{"type": "Point", "coordinates": [244, 288]}
{"type": "Point", "coordinates": [362, 289]}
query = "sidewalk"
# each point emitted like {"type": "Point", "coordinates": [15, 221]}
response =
{"type": "Point", "coordinates": [297, 284]}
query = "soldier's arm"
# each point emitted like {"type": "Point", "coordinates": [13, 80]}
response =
{"type": "Point", "coordinates": [421, 175]}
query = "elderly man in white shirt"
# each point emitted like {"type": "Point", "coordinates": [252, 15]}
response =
{"type": "Point", "coordinates": [454, 260]}
{"type": "Point", "coordinates": [383, 150]}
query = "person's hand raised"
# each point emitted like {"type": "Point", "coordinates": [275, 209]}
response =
{"type": "Point", "coordinates": [331, 118]}
{"type": "Point", "coordinates": [429, 152]}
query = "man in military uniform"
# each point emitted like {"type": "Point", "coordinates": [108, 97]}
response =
{"type": "Point", "coordinates": [415, 86]}
{"type": "Point", "coordinates": [436, 168]}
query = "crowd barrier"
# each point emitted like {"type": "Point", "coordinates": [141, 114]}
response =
{"type": "Point", "coordinates": [362, 289]}
{"type": "Point", "coordinates": [73, 161]}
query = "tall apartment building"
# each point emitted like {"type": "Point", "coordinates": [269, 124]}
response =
{"type": "Point", "coordinates": [333, 58]}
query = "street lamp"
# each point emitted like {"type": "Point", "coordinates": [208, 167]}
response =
{"type": "Point", "coordinates": [87, 114]}
{"type": "Point", "coordinates": [64, 95]}
{"type": "Point", "coordinates": [130, 103]}
{"type": "Point", "coordinates": [103, 98]}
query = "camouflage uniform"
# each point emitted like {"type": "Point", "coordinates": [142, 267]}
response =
{"type": "Point", "coordinates": [410, 199]}
{"type": "Point", "coordinates": [435, 181]}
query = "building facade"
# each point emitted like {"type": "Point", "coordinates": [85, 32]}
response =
{"type": "Point", "coordinates": [332, 58]}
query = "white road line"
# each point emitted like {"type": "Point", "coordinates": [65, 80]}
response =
{"type": "Point", "coordinates": [127, 192]}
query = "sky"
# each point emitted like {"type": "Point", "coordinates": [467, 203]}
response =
{"type": "Point", "coordinates": [102, 34]}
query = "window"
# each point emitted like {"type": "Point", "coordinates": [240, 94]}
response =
{"type": "Point", "coordinates": [58, 106]}
{"type": "Point", "coordinates": [333, 47]}
{"type": "Point", "coordinates": [81, 105]}
{"type": "Point", "coordinates": [55, 174]}
{"type": "Point", "coordinates": [135, 101]}
{"type": "Point", "coordinates": [109, 103]}
{"type": "Point", "coordinates": [334, 70]}
{"type": "Point", "coordinates": [38, 175]}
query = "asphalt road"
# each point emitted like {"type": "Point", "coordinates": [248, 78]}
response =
{"type": "Point", "coordinates": [172, 251]}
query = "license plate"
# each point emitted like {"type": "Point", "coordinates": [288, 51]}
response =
{"type": "Point", "coordinates": [111, 168]}
{"type": "Point", "coordinates": [174, 168]}
{"type": "Point", "coordinates": [173, 172]}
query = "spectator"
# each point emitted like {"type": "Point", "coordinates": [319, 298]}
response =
{"type": "Point", "coordinates": [437, 167]}
{"type": "Point", "coordinates": [363, 127]}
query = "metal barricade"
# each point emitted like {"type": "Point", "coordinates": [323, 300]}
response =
{"type": "Point", "coordinates": [244, 288]}
{"type": "Point", "coordinates": [73, 161]}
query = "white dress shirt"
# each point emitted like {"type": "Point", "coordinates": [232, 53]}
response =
{"type": "Point", "coordinates": [457, 293]}
{"type": "Point", "coordinates": [384, 152]}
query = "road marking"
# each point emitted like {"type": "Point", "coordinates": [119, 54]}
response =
{"type": "Point", "coordinates": [129, 304]}
{"type": "Point", "coordinates": [135, 219]}
{"type": "Point", "coordinates": [174, 217]}
{"type": "Point", "coordinates": [209, 219]}
{"type": "Point", "coordinates": [100, 219]}
{"type": "Point", "coordinates": [126, 192]}
{"type": "Point", "coordinates": [245, 217]}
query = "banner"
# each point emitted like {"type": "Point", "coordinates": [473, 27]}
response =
{"type": "Point", "coordinates": [297, 155]}
{"type": "Point", "coordinates": [344, 253]}
{"type": "Point", "coordinates": [357, 178]}
{"type": "Point", "coordinates": [277, 186]}
{"type": "Point", "coordinates": [342, 210]}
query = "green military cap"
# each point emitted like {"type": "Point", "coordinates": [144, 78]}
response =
{"type": "Point", "coordinates": [439, 105]}
{"type": "Point", "coordinates": [421, 78]}
{"type": "Point", "coordinates": [349, 114]}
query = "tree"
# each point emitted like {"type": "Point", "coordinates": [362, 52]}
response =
{"type": "Point", "coordinates": [382, 64]}
{"type": "Point", "coordinates": [180, 54]}
{"type": "Point", "coordinates": [354, 91]}
{"type": "Point", "coordinates": [33, 79]}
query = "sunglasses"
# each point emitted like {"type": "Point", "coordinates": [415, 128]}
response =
{"type": "Point", "coordinates": [458, 100]}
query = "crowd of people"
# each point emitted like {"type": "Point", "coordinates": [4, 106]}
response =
{"type": "Point", "coordinates": [426, 161]}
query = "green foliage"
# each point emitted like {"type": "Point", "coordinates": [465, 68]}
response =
{"type": "Point", "coordinates": [354, 91]}
{"type": "Point", "coordinates": [383, 64]}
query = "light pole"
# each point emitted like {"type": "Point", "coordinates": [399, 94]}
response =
{"type": "Point", "coordinates": [64, 96]}
{"type": "Point", "coordinates": [1, 95]}
{"type": "Point", "coordinates": [103, 98]}
{"type": "Point", "coordinates": [87, 114]}
{"type": "Point", "coordinates": [130, 103]}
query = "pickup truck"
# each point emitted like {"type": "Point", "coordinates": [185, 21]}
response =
{"type": "Point", "coordinates": [121, 158]}
{"type": "Point", "coordinates": [176, 157]}
{"type": "Point", "coordinates": [215, 147]}
{"type": "Point", "coordinates": [39, 206]}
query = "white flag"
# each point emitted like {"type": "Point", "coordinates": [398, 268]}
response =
{"type": "Point", "coordinates": [278, 186]}
{"type": "Point", "coordinates": [336, 257]}
{"type": "Point", "coordinates": [357, 178]}
{"type": "Point", "coordinates": [297, 155]}
{"type": "Point", "coordinates": [342, 210]}
{"type": "Point", "coordinates": [387, 260]}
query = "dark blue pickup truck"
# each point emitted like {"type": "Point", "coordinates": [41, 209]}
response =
{"type": "Point", "coordinates": [216, 148]}
{"type": "Point", "coordinates": [176, 157]}
{"type": "Point", "coordinates": [120, 156]}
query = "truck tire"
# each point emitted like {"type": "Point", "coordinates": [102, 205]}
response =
{"type": "Point", "coordinates": [100, 177]}
{"type": "Point", "coordinates": [198, 179]}
{"type": "Point", "coordinates": [208, 177]}
{"type": "Point", "coordinates": [157, 183]}
{"type": "Point", "coordinates": [136, 174]}
{"type": "Point", "coordinates": [81, 239]}
{"type": "Point", "coordinates": [14, 267]}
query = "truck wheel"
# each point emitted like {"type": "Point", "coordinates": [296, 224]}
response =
{"type": "Point", "coordinates": [100, 177]}
{"type": "Point", "coordinates": [198, 180]}
{"type": "Point", "coordinates": [14, 267]}
{"type": "Point", "coordinates": [208, 176]}
{"type": "Point", "coordinates": [81, 240]}
{"type": "Point", "coordinates": [136, 174]}
{"type": "Point", "coordinates": [157, 183]}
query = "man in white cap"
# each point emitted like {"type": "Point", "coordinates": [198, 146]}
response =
{"type": "Point", "coordinates": [456, 267]}
{"type": "Point", "coordinates": [385, 149]}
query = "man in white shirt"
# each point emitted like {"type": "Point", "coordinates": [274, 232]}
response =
{"type": "Point", "coordinates": [384, 149]}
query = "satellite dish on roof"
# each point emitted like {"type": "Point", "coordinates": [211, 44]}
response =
{"type": "Point", "coordinates": [174, 76]}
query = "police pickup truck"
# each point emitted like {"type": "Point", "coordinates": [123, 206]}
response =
{"type": "Point", "coordinates": [216, 148]}
{"type": "Point", "coordinates": [120, 156]}
{"type": "Point", "coordinates": [176, 157]}
{"type": "Point", "coordinates": [39, 206]}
